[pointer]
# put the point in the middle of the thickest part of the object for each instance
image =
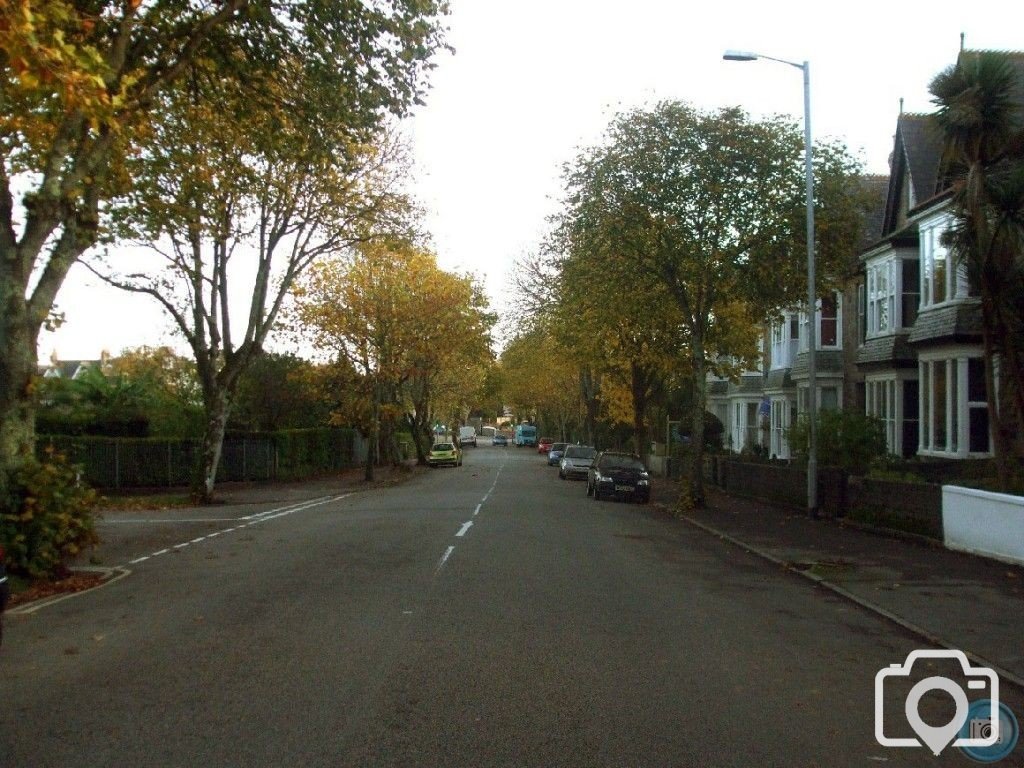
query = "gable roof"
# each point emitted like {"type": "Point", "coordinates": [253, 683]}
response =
{"type": "Point", "coordinates": [916, 154]}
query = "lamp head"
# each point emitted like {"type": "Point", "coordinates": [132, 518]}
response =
{"type": "Point", "coordinates": [731, 55]}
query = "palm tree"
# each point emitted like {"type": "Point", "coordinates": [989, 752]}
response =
{"type": "Point", "coordinates": [980, 104]}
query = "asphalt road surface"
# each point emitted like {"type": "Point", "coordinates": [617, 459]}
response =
{"type": "Point", "coordinates": [489, 615]}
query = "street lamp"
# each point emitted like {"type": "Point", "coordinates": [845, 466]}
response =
{"type": "Point", "coordinates": [812, 370]}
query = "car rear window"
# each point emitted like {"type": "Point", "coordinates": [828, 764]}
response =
{"type": "Point", "coordinates": [621, 462]}
{"type": "Point", "coordinates": [442, 446]}
{"type": "Point", "coordinates": [580, 452]}
{"type": "Point", "coordinates": [558, 447]}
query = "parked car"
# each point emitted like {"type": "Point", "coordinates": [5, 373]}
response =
{"type": "Point", "coordinates": [500, 439]}
{"type": "Point", "coordinates": [445, 453]}
{"type": "Point", "coordinates": [544, 444]}
{"type": "Point", "coordinates": [5, 592]}
{"type": "Point", "coordinates": [467, 435]}
{"type": "Point", "coordinates": [555, 454]}
{"type": "Point", "coordinates": [619, 475]}
{"type": "Point", "coordinates": [576, 461]}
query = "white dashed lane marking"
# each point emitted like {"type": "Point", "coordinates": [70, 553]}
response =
{"type": "Point", "coordinates": [469, 523]}
{"type": "Point", "coordinates": [270, 514]}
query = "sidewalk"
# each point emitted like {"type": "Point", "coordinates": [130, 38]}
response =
{"type": "Point", "coordinates": [962, 601]}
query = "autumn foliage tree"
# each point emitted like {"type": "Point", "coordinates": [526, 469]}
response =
{"type": "Point", "coordinates": [410, 331]}
{"type": "Point", "coordinates": [708, 206]}
{"type": "Point", "coordinates": [81, 94]}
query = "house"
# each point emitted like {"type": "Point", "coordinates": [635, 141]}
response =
{"type": "Point", "coordinates": [902, 339]}
{"type": "Point", "coordinates": [70, 369]}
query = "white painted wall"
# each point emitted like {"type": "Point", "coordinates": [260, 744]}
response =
{"type": "Point", "coordinates": [984, 523]}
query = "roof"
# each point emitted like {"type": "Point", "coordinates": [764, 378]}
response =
{"type": "Point", "coordinates": [956, 322]}
{"type": "Point", "coordinates": [875, 187]}
{"type": "Point", "coordinates": [917, 151]}
{"type": "Point", "coordinates": [66, 369]}
{"type": "Point", "coordinates": [887, 352]}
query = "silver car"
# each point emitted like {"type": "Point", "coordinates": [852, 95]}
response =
{"type": "Point", "coordinates": [576, 462]}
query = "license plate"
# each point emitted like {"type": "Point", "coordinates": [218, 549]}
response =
{"type": "Point", "coordinates": [623, 487]}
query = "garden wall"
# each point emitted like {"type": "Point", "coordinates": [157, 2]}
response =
{"type": "Point", "coordinates": [909, 507]}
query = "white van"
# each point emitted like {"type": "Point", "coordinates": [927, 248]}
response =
{"type": "Point", "coordinates": [467, 436]}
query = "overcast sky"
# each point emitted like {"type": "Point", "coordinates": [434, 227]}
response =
{"type": "Point", "coordinates": [532, 81]}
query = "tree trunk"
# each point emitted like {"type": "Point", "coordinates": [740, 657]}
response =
{"type": "Point", "coordinates": [590, 387]}
{"type": "Point", "coordinates": [217, 408]}
{"type": "Point", "coordinates": [17, 371]}
{"type": "Point", "coordinates": [638, 387]}
{"type": "Point", "coordinates": [416, 430]}
{"type": "Point", "coordinates": [371, 451]}
{"type": "Point", "coordinates": [697, 427]}
{"type": "Point", "coordinates": [1001, 447]}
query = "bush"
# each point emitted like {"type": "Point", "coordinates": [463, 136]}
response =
{"type": "Point", "coordinates": [850, 440]}
{"type": "Point", "coordinates": [47, 518]}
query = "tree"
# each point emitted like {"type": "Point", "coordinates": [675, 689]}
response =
{"type": "Point", "coordinates": [623, 324]}
{"type": "Point", "coordinates": [981, 116]}
{"type": "Point", "coordinates": [709, 206]}
{"type": "Point", "coordinates": [541, 381]}
{"type": "Point", "coordinates": [412, 334]}
{"type": "Point", "coordinates": [280, 391]}
{"type": "Point", "coordinates": [80, 89]}
{"type": "Point", "coordinates": [172, 397]}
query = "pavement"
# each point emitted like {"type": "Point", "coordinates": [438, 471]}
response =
{"type": "Point", "coordinates": [948, 598]}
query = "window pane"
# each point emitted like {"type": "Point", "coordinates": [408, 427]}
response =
{"type": "Point", "coordinates": [829, 321]}
{"type": "Point", "coordinates": [976, 390]}
{"type": "Point", "coordinates": [978, 418]}
{"type": "Point", "coordinates": [925, 277]}
{"type": "Point", "coordinates": [924, 416]}
{"type": "Point", "coordinates": [954, 406]}
{"type": "Point", "coordinates": [939, 261]}
{"type": "Point", "coordinates": [939, 405]}
{"type": "Point", "coordinates": [911, 291]}
{"type": "Point", "coordinates": [829, 398]}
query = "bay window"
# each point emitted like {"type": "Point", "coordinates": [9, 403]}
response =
{"type": "Point", "coordinates": [829, 324]}
{"type": "Point", "coordinates": [943, 276]}
{"type": "Point", "coordinates": [954, 408]}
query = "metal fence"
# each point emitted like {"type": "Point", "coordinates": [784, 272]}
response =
{"type": "Point", "coordinates": [124, 462]}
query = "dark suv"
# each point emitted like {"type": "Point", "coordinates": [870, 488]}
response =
{"type": "Point", "coordinates": [619, 475]}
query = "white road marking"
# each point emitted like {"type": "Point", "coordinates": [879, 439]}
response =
{"type": "Point", "coordinates": [170, 520]}
{"type": "Point", "coordinates": [477, 510]}
{"type": "Point", "coordinates": [270, 514]}
{"type": "Point", "coordinates": [33, 607]}
{"type": "Point", "coordinates": [444, 558]}
{"type": "Point", "coordinates": [465, 527]}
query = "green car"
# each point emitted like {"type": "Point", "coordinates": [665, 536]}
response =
{"type": "Point", "coordinates": [444, 453]}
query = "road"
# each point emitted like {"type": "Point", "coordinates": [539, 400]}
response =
{"type": "Point", "coordinates": [490, 615]}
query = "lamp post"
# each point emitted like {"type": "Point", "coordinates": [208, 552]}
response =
{"type": "Point", "coordinates": [812, 394]}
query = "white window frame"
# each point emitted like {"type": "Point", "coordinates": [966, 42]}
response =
{"type": "Point", "coordinates": [885, 301]}
{"type": "Point", "coordinates": [955, 280]}
{"type": "Point", "coordinates": [817, 317]}
{"type": "Point", "coordinates": [883, 399]}
{"type": "Point", "coordinates": [783, 343]}
{"type": "Point", "coordinates": [957, 406]}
